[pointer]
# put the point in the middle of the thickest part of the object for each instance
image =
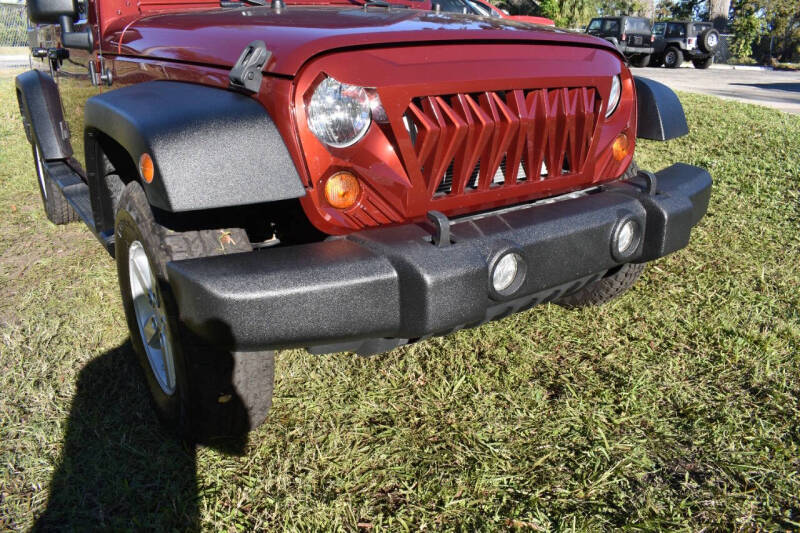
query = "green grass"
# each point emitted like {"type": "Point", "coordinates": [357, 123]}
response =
{"type": "Point", "coordinates": [676, 406]}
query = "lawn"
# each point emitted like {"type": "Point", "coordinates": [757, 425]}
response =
{"type": "Point", "coordinates": [676, 406]}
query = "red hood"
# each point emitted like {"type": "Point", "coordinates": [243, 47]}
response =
{"type": "Point", "coordinates": [298, 33]}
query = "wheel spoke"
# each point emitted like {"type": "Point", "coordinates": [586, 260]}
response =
{"type": "Point", "coordinates": [151, 317]}
{"type": "Point", "coordinates": [166, 359]}
{"type": "Point", "coordinates": [140, 276]}
{"type": "Point", "coordinates": [152, 331]}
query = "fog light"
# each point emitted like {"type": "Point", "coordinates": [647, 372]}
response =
{"type": "Point", "coordinates": [626, 234]}
{"type": "Point", "coordinates": [506, 272]}
{"type": "Point", "coordinates": [626, 239]}
{"type": "Point", "coordinates": [342, 190]}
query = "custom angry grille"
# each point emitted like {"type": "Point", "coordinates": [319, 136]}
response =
{"type": "Point", "coordinates": [500, 139]}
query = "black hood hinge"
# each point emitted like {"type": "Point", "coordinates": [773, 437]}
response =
{"type": "Point", "coordinates": [246, 73]}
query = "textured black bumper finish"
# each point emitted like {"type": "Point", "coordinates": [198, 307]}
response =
{"type": "Point", "coordinates": [392, 283]}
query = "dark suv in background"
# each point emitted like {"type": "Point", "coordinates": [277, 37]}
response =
{"type": "Point", "coordinates": [631, 35]}
{"type": "Point", "coordinates": [676, 41]}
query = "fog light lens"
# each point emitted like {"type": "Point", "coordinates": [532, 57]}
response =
{"type": "Point", "coordinates": [626, 235]}
{"type": "Point", "coordinates": [342, 190]}
{"type": "Point", "coordinates": [505, 272]}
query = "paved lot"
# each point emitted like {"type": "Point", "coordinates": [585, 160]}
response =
{"type": "Point", "coordinates": [15, 61]}
{"type": "Point", "coordinates": [777, 89]}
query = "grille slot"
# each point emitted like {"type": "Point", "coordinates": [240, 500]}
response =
{"type": "Point", "coordinates": [470, 141]}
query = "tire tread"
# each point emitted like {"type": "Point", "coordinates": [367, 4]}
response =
{"type": "Point", "coordinates": [614, 284]}
{"type": "Point", "coordinates": [56, 206]}
{"type": "Point", "coordinates": [228, 393]}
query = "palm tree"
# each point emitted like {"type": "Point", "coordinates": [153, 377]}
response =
{"type": "Point", "coordinates": [718, 13]}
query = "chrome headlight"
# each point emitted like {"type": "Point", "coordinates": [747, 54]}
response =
{"type": "Point", "coordinates": [339, 113]}
{"type": "Point", "coordinates": [613, 96]}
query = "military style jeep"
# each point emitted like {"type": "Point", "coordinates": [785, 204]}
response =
{"type": "Point", "coordinates": [631, 35]}
{"type": "Point", "coordinates": [676, 41]}
{"type": "Point", "coordinates": [339, 177]}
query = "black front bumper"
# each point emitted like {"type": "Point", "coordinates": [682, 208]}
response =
{"type": "Point", "coordinates": [376, 289]}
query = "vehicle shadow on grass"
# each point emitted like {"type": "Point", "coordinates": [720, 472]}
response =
{"type": "Point", "coordinates": [790, 87]}
{"type": "Point", "coordinates": [119, 469]}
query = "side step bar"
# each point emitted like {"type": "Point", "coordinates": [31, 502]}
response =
{"type": "Point", "coordinates": [76, 193]}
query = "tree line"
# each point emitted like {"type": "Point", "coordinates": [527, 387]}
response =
{"type": "Point", "coordinates": [764, 29]}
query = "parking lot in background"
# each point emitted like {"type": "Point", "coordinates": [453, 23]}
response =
{"type": "Point", "coordinates": [752, 85]}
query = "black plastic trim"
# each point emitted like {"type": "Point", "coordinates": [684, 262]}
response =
{"type": "Point", "coordinates": [394, 283]}
{"type": "Point", "coordinates": [50, 11]}
{"type": "Point", "coordinates": [77, 193]}
{"type": "Point", "coordinates": [40, 105]}
{"type": "Point", "coordinates": [211, 147]}
{"type": "Point", "coordinates": [246, 74]}
{"type": "Point", "coordinates": [660, 113]}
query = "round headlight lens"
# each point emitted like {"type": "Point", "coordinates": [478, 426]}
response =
{"type": "Point", "coordinates": [338, 113]}
{"type": "Point", "coordinates": [613, 95]}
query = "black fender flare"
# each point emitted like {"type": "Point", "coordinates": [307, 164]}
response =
{"type": "Point", "coordinates": [42, 115]}
{"type": "Point", "coordinates": [660, 113]}
{"type": "Point", "coordinates": [211, 147]}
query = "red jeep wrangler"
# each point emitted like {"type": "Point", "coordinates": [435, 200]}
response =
{"type": "Point", "coordinates": [339, 175]}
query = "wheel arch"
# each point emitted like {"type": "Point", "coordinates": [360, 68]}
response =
{"type": "Point", "coordinates": [660, 113]}
{"type": "Point", "coordinates": [109, 168]}
{"type": "Point", "coordinates": [42, 115]}
{"type": "Point", "coordinates": [211, 147]}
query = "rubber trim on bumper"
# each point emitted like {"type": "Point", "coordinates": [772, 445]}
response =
{"type": "Point", "coordinates": [393, 284]}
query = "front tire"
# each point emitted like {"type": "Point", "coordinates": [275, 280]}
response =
{"type": "Point", "coordinates": [616, 282]}
{"type": "Point", "coordinates": [673, 57]}
{"type": "Point", "coordinates": [200, 392]}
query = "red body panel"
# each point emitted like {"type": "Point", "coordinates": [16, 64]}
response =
{"type": "Point", "coordinates": [298, 33]}
{"type": "Point", "coordinates": [399, 188]}
{"type": "Point", "coordinates": [501, 83]}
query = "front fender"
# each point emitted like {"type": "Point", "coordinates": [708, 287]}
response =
{"type": "Point", "coordinates": [660, 113]}
{"type": "Point", "coordinates": [211, 147]}
{"type": "Point", "coordinates": [40, 106]}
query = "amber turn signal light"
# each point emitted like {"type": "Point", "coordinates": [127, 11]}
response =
{"type": "Point", "coordinates": [342, 190]}
{"type": "Point", "coordinates": [620, 147]}
{"type": "Point", "coordinates": [146, 168]}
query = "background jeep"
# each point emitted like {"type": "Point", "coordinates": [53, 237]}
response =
{"type": "Point", "coordinates": [631, 35]}
{"type": "Point", "coordinates": [679, 40]}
